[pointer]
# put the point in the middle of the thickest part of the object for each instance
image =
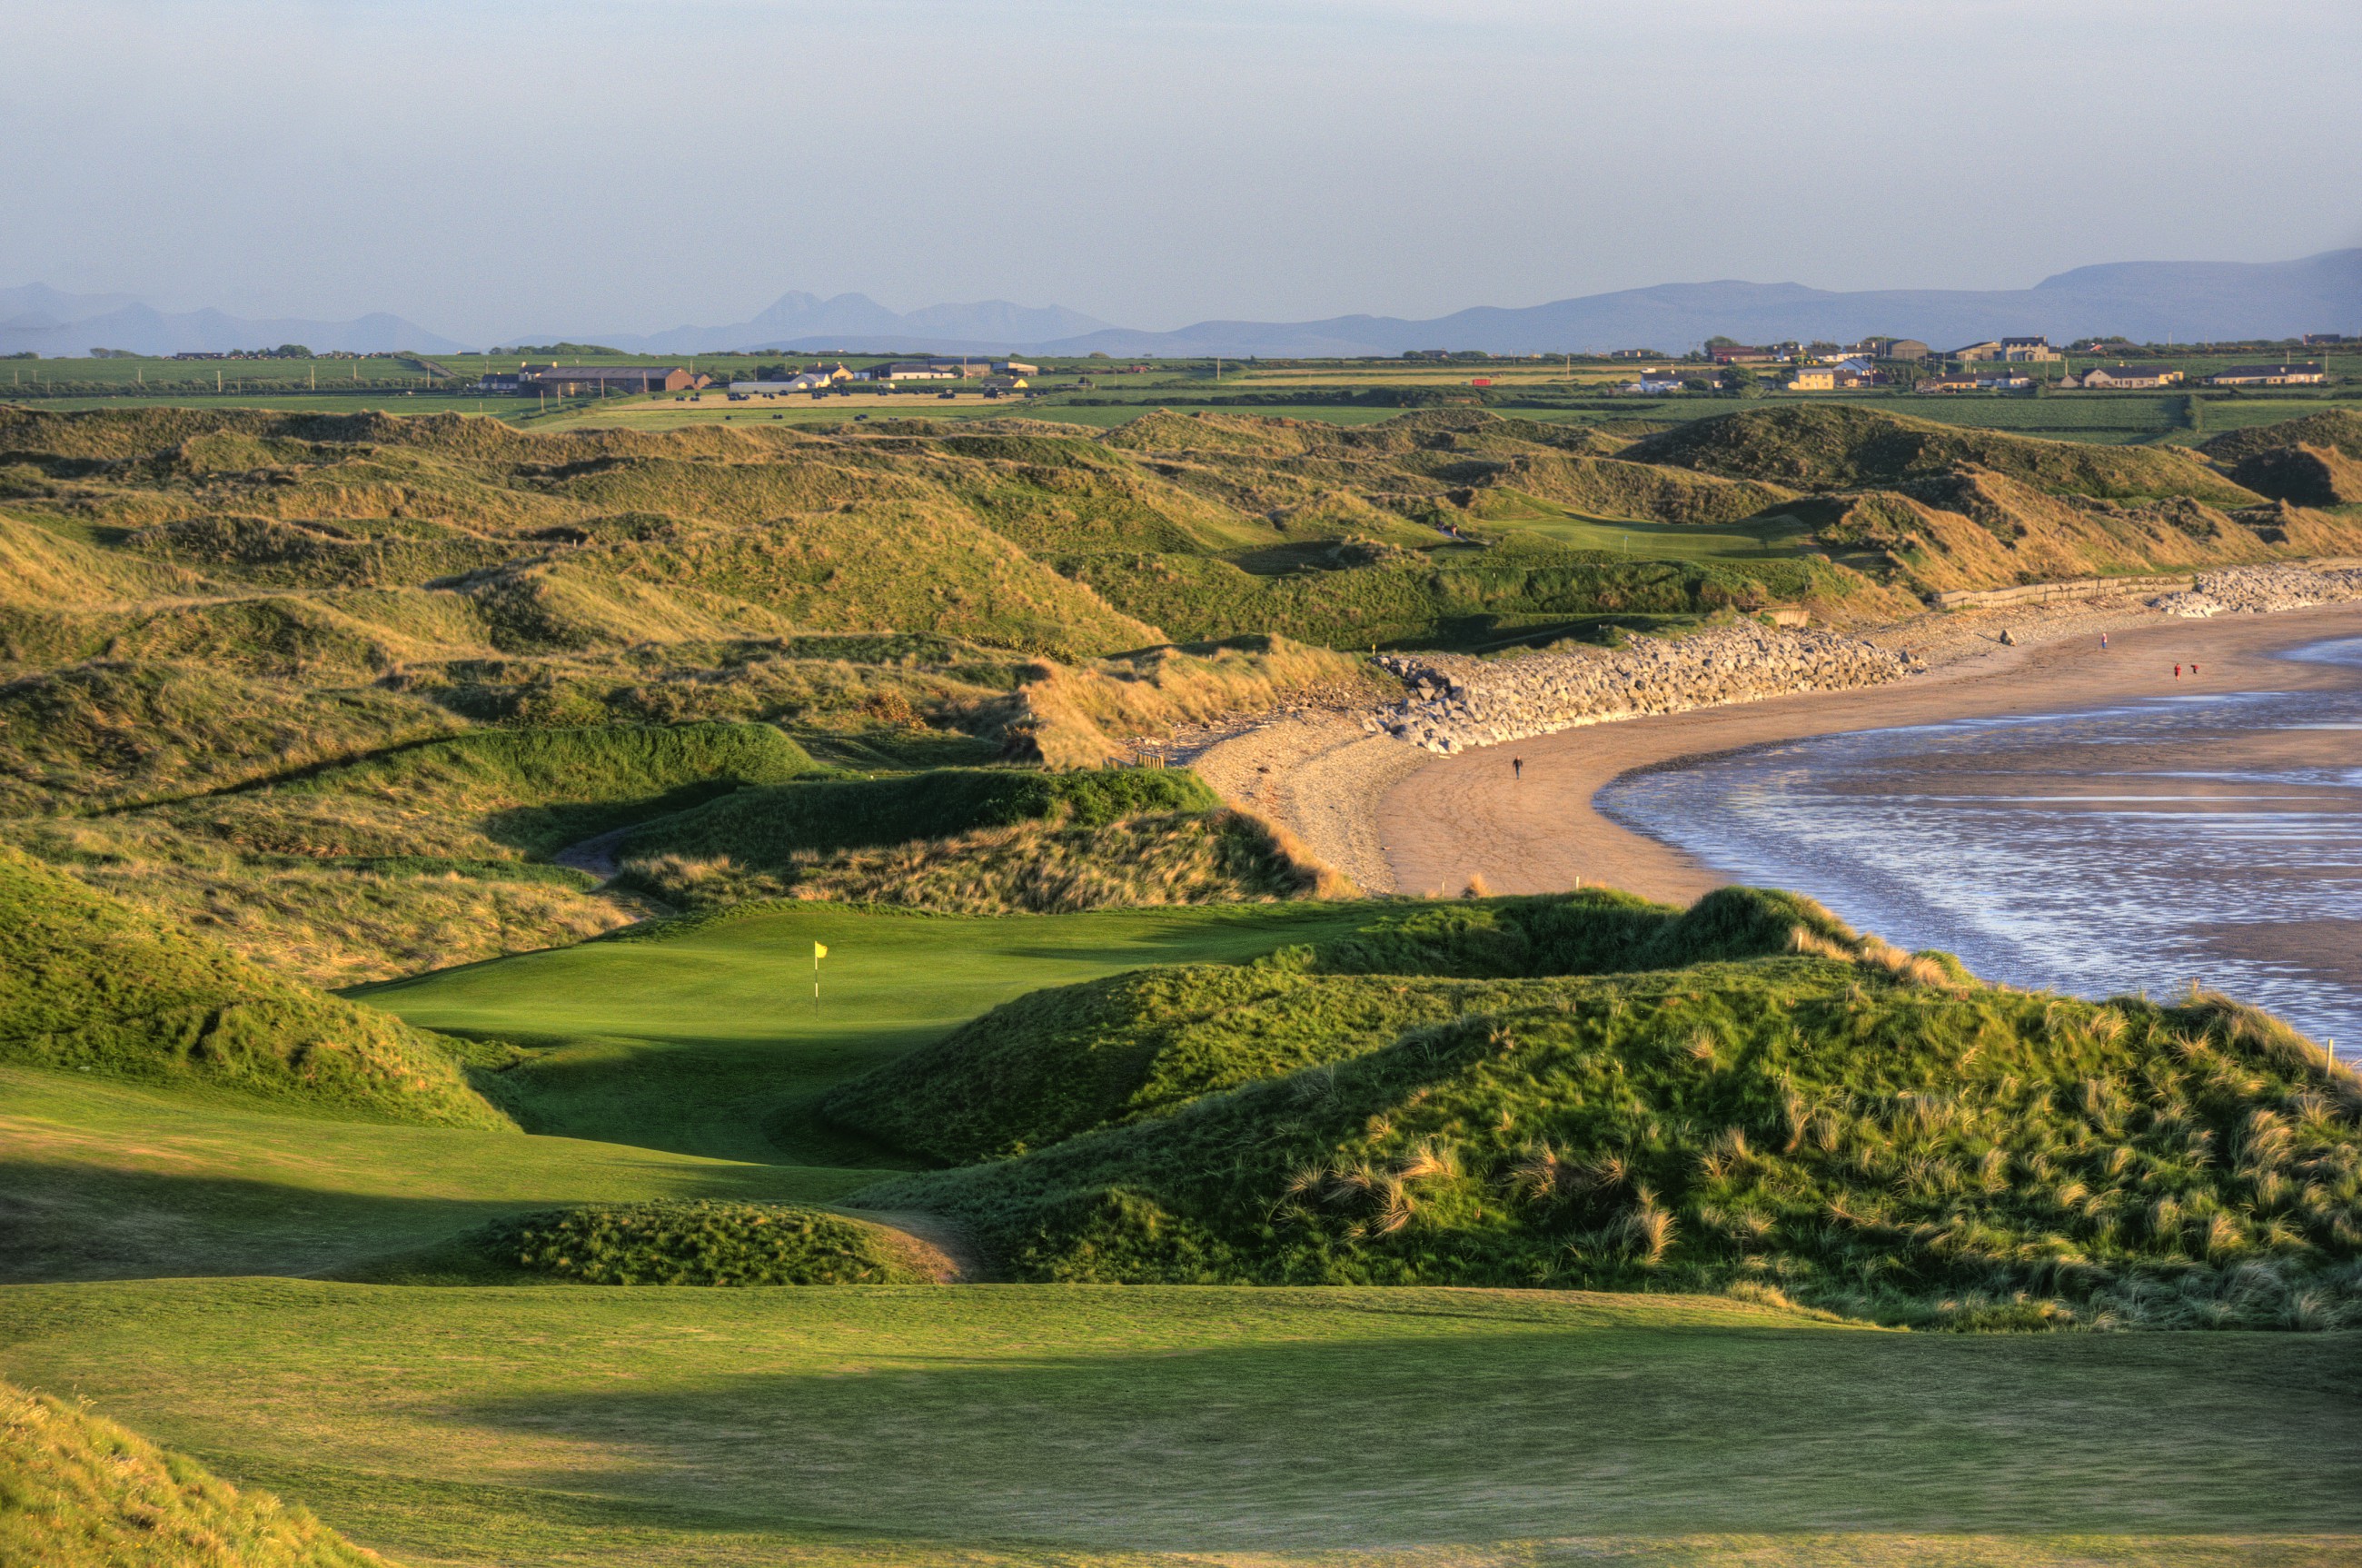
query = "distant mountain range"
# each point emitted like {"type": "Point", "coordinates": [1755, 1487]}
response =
{"type": "Point", "coordinates": [853, 322]}
{"type": "Point", "coordinates": [55, 325]}
{"type": "Point", "coordinates": [2145, 301]}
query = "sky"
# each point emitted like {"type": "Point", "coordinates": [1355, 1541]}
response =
{"type": "Point", "coordinates": [495, 169]}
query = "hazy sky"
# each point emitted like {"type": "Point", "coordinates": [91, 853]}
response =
{"type": "Point", "coordinates": [501, 167]}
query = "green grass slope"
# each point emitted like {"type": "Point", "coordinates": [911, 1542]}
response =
{"type": "Point", "coordinates": [1823, 447]}
{"type": "Point", "coordinates": [1045, 866]}
{"type": "Point", "coordinates": [105, 734]}
{"type": "Point", "coordinates": [702, 1035]}
{"type": "Point", "coordinates": [111, 1179]}
{"type": "Point", "coordinates": [78, 1491]}
{"type": "Point", "coordinates": [88, 983]}
{"type": "Point", "coordinates": [763, 830]}
{"type": "Point", "coordinates": [1874, 1135]}
{"type": "Point", "coordinates": [1523, 584]}
{"type": "Point", "coordinates": [539, 790]}
{"type": "Point", "coordinates": [1157, 1427]}
{"type": "Point", "coordinates": [2312, 461]}
{"type": "Point", "coordinates": [2340, 429]}
{"type": "Point", "coordinates": [1055, 1064]}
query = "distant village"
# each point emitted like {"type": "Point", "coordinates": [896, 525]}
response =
{"type": "Point", "coordinates": [993, 378]}
{"type": "Point", "coordinates": [1993, 365]}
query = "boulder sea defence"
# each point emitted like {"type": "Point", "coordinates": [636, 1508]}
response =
{"type": "Point", "coordinates": [1457, 701]}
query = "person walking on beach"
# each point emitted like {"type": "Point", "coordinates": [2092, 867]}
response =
{"type": "Point", "coordinates": [2176, 672]}
{"type": "Point", "coordinates": [2103, 642]}
{"type": "Point", "coordinates": [1517, 768]}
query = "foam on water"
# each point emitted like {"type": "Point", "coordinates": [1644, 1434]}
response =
{"type": "Point", "coordinates": [2215, 837]}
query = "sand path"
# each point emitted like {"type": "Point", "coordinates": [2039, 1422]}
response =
{"type": "Point", "coordinates": [1450, 819]}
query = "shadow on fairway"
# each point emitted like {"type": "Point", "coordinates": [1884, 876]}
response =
{"type": "Point", "coordinates": [1398, 1442]}
{"type": "Point", "coordinates": [69, 1221]}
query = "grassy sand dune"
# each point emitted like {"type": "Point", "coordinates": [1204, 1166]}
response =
{"type": "Point", "coordinates": [78, 1491]}
{"type": "Point", "coordinates": [88, 983]}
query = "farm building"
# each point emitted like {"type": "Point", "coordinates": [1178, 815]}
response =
{"type": "Point", "coordinates": [2126, 376]}
{"type": "Point", "coordinates": [1843, 376]}
{"type": "Point", "coordinates": [2011, 350]}
{"type": "Point", "coordinates": [807, 381]}
{"type": "Point", "coordinates": [1898, 347]}
{"type": "Point", "coordinates": [1738, 354]}
{"type": "Point", "coordinates": [616, 380]}
{"type": "Point", "coordinates": [913, 371]}
{"type": "Point", "coordinates": [1018, 368]}
{"type": "Point", "coordinates": [2268, 376]}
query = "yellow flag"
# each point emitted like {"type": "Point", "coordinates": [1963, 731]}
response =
{"type": "Point", "coordinates": [820, 951]}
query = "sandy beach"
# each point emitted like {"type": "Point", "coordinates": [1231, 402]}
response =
{"type": "Point", "coordinates": [1398, 819]}
{"type": "Point", "coordinates": [1465, 816]}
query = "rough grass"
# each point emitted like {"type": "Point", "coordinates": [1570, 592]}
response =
{"type": "Point", "coordinates": [88, 983]}
{"type": "Point", "coordinates": [110, 733]}
{"type": "Point", "coordinates": [1058, 1063]}
{"type": "Point", "coordinates": [413, 858]}
{"type": "Point", "coordinates": [1034, 867]}
{"type": "Point", "coordinates": [699, 1242]}
{"type": "Point", "coordinates": [1871, 1131]}
{"type": "Point", "coordinates": [764, 829]}
{"type": "Point", "coordinates": [78, 1491]}
{"type": "Point", "coordinates": [1825, 447]}
{"type": "Point", "coordinates": [335, 923]}
{"type": "Point", "coordinates": [1525, 583]}
{"type": "Point", "coordinates": [2338, 429]}
{"type": "Point", "coordinates": [539, 790]}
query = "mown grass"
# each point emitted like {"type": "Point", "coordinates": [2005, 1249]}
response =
{"type": "Point", "coordinates": [1010, 1423]}
{"type": "Point", "coordinates": [114, 1180]}
{"type": "Point", "coordinates": [702, 1037]}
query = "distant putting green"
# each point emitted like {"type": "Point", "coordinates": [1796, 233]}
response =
{"type": "Point", "coordinates": [940, 1425]}
{"type": "Point", "coordinates": [710, 1043]}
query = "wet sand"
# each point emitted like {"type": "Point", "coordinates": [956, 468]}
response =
{"type": "Point", "coordinates": [1456, 818]}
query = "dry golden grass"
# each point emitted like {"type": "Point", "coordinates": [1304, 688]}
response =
{"type": "Point", "coordinates": [77, 1491]}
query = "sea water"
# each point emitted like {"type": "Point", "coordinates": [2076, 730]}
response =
{"type": "Point", "coordinates": [2214, 837]}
